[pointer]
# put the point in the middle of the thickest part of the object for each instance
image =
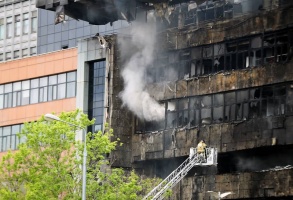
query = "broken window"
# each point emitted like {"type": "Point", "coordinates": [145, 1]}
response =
{"type": "Point", "coordinates": [172, 73]}
{"type": "Point", "coordinates": [206, 116]}
{"type": "Point", "coordinates": [184, 55]}
{"type": "Point", "coordinates": [282, 47]}
{"type": "Point", "coordinates": [243, 60]}
{"type": "Point", "coordinates": [182, 66]}
{"type": "Point", "coordinates": [242, 105]}
{"type": "Point", "coordinates": [173, 57]}
{"type": "Point", "coordinates": [267, 107]}
{"type": "Point", "coordinates": [254, 104]}
{"type": "Point", "coordinates": [256, 42]}
{"type": "Point", "coordinates": [196, 53]}
{"type": "Point", "coordinates": [206, 101]}
{"type": "Point", "coordinates": [161, 67]}
{"type": "Point", "coordinates": [154, 125]}
{"type": "Point", "coordinates": [230, 61]}
{"type": "Point", "coordinates": [148, 126]}
{"type": "Point", "coordinates": [195, 63]}
{"type": "Point", "coordinates": [171, 114]}
{"type": "Point", "coordinates": [279, 106]}
{"type": "Point", "coordinates": [156, 72]}
{"type": "Point", "coordinates": [183, 112]}
{"type": "Point", "coordinates": [173, 62]}
{"type": "Point", "coordinates": [238, 56]}
{"type": "Point", "coordinates": [269, 53]}
{"type": "Point", "coordinates": [210, 13]}
{"type": "Point", "coordinates": [243, 45]}
{"type": "Point", "coordinates": [255, 57]}
{"type": "Point", "coordinates": [269, 49]}
{"type": "Point", "coordinates": [139, 125]}
{"type": "Point", "coordinates": [231, 47]}
{"type": "Point", "coordinates": [193, 68]}
{"type": "Point", "coordinates": [173, 19]}
{"type": "Point", "coordinates": [184, 70]}
{"type": "Point", "coordinates": [196, 67]}
{"type": "Point", "coordinates": [242, 96]}
{"type": "Point", "coordinates": [206, 111]}
{"type": "Point", "coordinates": [280, 93]}
{"type": "Point", "coordinates": [230, 100]}
{"type": "Point", "coordinates": [194, 107]}
{"type": "Point", "coordinates": [289, 100]}
{"type": "Point", "coordinates": [207, 11]}
{"type": "Point", "coordinates": [267, 102]}
{"type": "Point", "coordinates": [242, 111]}
{"type": "Point", "coordinates": [219, 11]}
{"type": "Point", "coordinates": [190, 16]}
{"type": "Point", "coordinates": [219, 57]}
{"type": "Point", "coordinates": [207, 59]}
{"type": "Point", "coordinates": [142, 125]}
{"type": "Point", "coordinates": [200, 15]}
{"type": "Point", "coordinates": [218, 114]}
{"type": "Point", "coordinates": [218, 107]}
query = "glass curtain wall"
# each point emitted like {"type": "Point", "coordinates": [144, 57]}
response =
{"type": "Point", "coordinates": [96, 93]}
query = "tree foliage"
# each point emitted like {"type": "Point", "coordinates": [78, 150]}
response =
{"type": "Point", "coordinates": [48, 164]}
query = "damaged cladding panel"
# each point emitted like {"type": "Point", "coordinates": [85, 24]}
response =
{"type": "Point", "coordinates": [270, 184]}
{"type": "Point", "coordinates": [101, 12]}
{"type": "Point", "coordinates": [97, 12]}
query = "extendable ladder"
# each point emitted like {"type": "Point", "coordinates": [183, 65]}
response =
{"type": "Point", "coordinates": [159, 192]}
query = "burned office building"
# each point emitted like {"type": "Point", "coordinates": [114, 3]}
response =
{"type": "Point", "coordinates": [219, 71]}
{"type": "Point", "coordinates": [222, 72]}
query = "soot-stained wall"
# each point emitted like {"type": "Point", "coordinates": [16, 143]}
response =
{"type": "Point", "coordinates": [145, 150]}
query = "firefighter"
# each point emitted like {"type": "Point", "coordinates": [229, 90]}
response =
{"type": "Point", "coordinates": [201, 149]}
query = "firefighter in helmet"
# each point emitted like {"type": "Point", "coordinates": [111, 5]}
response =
{"type": "Point", "coordinates": [201, 149]}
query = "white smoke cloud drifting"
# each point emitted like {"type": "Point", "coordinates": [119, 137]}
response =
{"type": "Point", "coordinates": [134, 95]}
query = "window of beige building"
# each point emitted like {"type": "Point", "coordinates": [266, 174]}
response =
{"type": "Point", "coordinates": [16, 54]}
{"type": "Point", "coordinates": [25, 27]}
{"type": "Point", "coordinates": [17, 25]}
{"type": "Point", "coordinates": [9, 27]}
{"type": "Point", "coordinates": [34, 22]}
{"type": "Point", "coordinates": [2, 29]}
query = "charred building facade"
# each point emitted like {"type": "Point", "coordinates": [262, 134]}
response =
{"type": "Point", "coordinates": [219, 71]}
{"type": "Point", "coordinates": [222, 72]}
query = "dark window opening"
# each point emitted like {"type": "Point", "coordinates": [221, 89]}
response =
{"type": "Point", "coordinates": [219, 64]}
{"type": "Point", "coordinates": [218, 113]}
{"type": "Point", "coordinates": [194, 107]}
{"type": "Point", "coordinates": [171, 114]}
{"type": "Point", "coordinates": [183, 118]}
{"type": "Point", "coordinates": [184, 70]}
{"type": "Point", "coordinates": [207, 66]}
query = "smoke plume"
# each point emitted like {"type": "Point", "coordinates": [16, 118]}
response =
{"type": "Point", "coordinates": [139, 51]}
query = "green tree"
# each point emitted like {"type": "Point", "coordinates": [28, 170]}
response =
{"type": "Point", "coordinates": [48, 164]}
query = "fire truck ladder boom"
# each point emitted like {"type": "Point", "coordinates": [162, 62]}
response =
{"type": "Point", "coordinates": [159, 192]}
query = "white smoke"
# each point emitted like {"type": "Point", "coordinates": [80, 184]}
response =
{"type": "Point", "coordinates": [134, 95]}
